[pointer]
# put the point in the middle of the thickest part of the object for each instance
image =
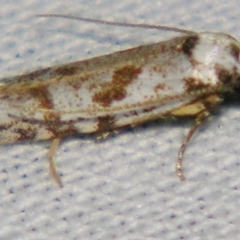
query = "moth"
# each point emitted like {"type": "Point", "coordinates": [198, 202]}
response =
{"type": "Point", "coordinates": [187, 75]}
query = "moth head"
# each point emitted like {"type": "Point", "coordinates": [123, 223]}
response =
{"type": "Point", "coordinates": [229, 65]}
{"type": "Point", "coordinates": [222, 53]}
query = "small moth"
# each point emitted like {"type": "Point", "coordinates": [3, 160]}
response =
{"type": "Point", "coordinates": [185, 76]}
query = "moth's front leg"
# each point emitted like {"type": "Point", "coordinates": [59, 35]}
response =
{"type": "Point", "coordinates": [198, 121]}
{"type": "Point", "coordinates": [200, 110]}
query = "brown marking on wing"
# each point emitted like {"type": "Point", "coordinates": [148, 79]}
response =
{"type": "Point", "coordinates": [60, 130]}
{"type": "Point", "coordinates": [42, 95]}
{"type": "Point", "coordinates": [194, 84]}
{"type": "Point", "coordinates": [226, 76]}
{"type": "Point", "coordinates": [45, 102]}
{"type": "Point", "coordinates": [235, 51]}
{"type": "Point", "coordinates": [26, 134]}
{"type": "Point", "coordinates": [64, 71]}
{"type": "Point", "coordinates": [189, 45]}
{"type": "Point", "coordinates": [105, 123]}
{"type": "Point", "coordinates": [33, 76]}
{"type": "Point", "coordinates": [159, 87]}
{"type": "Point", "coordinates": [54, 126]}
{"type": "Point", "coordinates": [5, 126]}
{"type": "Point", "coordinates": [77, 81]}
{"type": "Point", "coordinates": [116, 90]}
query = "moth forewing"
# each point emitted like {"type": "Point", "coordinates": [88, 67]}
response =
{"type": "Point", "coordinates": [183, 76]}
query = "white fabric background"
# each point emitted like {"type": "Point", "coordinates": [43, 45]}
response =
{"type": "Point", "coordinates": [126, 186]}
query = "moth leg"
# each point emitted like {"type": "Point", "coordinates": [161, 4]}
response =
{"type": "Point", "coordinates": [199, 120]}
{"type": "Point", "coordinates": [52, 156]}
{"type": "Point", "coordinates": [102, 135]}
{"type": "Point", "coordinates": [106, 134]}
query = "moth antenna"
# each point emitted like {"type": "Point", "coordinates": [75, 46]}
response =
{"type": "Point", "coordinates": [134, 25]}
